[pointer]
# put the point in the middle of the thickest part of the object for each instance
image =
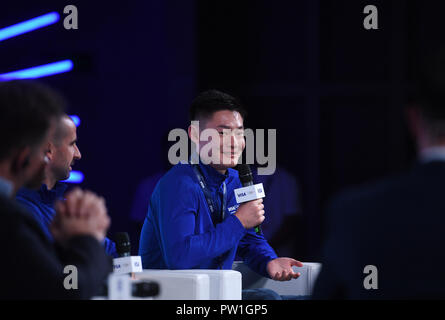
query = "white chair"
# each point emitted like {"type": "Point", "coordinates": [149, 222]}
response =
{"type": "Point", "coordinates": [201, 284]}
{"type": "Point", "coordinates": [302, 286]}
{"type": "Point", "coordinates": [224, 284]}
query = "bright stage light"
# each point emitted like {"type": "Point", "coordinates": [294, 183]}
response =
{"type": "Point", "coordinates": [75, 119]}
{"type": "Point", "coordinates": [75, 177]}
{"type": "Point", "coordinates": [39, 71]}
{"type": "Point", "coordinates": [29, 25]}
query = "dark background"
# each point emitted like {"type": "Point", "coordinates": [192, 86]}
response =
{"type": "Point", "coordinates": [334, 91]}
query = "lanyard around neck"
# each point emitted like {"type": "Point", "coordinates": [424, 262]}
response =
{"type": "Point", "coordinates": [207, 194]}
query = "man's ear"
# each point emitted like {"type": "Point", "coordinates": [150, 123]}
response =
{"type": "Point", "coordinates": [49, 153]}
{"type": "Point", "coordinates": [20, 161]}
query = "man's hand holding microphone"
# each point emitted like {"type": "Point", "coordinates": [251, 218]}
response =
{"type": "Point", "coordinates": [251, 214]}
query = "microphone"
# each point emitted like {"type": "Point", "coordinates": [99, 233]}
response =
{"type": "Point", "coordinates": [245, 174]}
{"type": "Point", "coordinates": [123, 245]}
{"type": "Point", "coordinates": [249, 191]}
{"type": "Point", "coordinates": [125, 263]}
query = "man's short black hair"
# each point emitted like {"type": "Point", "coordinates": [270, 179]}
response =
{"type": "Point", "coordinates": [26, 111]}
{"type": "Point", "coordinates": [208, 102]}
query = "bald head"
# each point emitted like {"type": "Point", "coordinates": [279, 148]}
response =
{"type": "Point", "coordinates": [63, 152]}
{"type": "Point", "coordinates": [62, 129]}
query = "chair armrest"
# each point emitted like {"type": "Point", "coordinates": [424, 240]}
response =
{"type": "Point", "coordinates": [302, 286]}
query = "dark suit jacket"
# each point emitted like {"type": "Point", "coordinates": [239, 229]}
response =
{"type": "Point", "coordinates": [396, 225]}
{"type": "Point", "coordinates": [32, 267]}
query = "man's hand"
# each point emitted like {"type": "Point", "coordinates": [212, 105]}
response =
{"type": "Point", "coordinates": [251, 214]}
{"type": "Point", "coordinates": [83, 213]}
{"type": "Point", "coordinates": [280, 269]}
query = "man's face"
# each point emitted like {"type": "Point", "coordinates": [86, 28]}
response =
{"type": "Point", "coordinates": [230, 131]}
{"type": "Point", "coordinates": [64, 150]}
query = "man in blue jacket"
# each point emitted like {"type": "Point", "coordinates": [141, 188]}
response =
{"type": "Point", "coordinates": [62, 152]}
{"type": "Point", "coordinates": [181, 231]}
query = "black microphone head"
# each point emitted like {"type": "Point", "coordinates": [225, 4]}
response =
{"type": "Point", "coordinates": [123, 246]}
{"type": "Point", "coordinates": [245, 174]}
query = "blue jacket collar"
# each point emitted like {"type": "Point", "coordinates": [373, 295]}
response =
{"type": "Point", "coordinates": [213, 178]}
{"type": "Point", "coordinates": [43, 194]}
{"type": "Point", "coordinates": [54, 194]}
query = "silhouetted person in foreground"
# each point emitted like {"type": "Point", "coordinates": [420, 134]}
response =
{"type": "Point", "coordinates": [395, 226]}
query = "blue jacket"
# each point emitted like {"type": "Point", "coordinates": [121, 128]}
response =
{"type": "Point", "coordinates": [179, 233]}
{"type": "Point", "coordinates": [41, 204]}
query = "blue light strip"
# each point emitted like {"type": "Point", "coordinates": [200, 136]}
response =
{"type": "Point", "coordinates": [39, 71]}
{"type": "Point", "coordinates": [75, 119]}
{"type": "Point", "coordinates": [29, 25]}
{"type": "Point", "coordinates": [75, 177]}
